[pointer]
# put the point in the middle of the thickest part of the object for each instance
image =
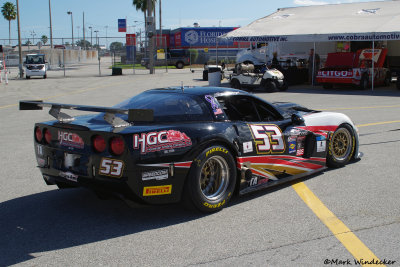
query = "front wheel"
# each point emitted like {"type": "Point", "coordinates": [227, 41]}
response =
{"type": "Point", "coordinates": [179, 65]}
{"type": "Point", "coordinates": [205, 75]}
{"type": "Point", "coordinates": [341, 146]}
{"type": "Point", "coordinates": [211, 180]}
{"type": "Point", "coordinates": [284, 86]}
{"type": "Point", "coordinates": [270, 86]}
{"type": "Point", "coordinates": [235, 84]}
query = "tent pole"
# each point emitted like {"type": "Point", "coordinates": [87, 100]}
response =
{"type": "Point", "coordinates": [313, 66]}
{"type": "Point", "coordinates": [373, 54]}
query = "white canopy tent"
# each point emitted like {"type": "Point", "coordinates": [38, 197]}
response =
{"type": "Point", "coordinates": [367, 21]}
{"type": "Point", "coordinates": [363, 21]}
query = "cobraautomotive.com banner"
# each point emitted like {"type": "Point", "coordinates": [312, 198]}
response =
{"type": "Point", "coordinates": [388, 36]}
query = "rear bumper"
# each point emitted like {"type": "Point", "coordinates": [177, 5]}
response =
{"type": "Point", "coordinates": [35, 72]}
{"type": "Point", "coordinates": [328, 80]}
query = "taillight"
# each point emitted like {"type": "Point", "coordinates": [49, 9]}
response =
{"type": "Point", "coordinates": [38, 134]}
{"type": "Point", "coordinates": [99, 144]}
{"type": "Point", "coordinates": [117, 145]}
{"type": "Point", "coordinates": [47, 136]}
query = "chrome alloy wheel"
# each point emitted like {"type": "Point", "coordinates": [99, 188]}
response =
{"type": "Point", "coordinates": [341, 144]}
{"type": "Point", "coordinates": [214, 178]}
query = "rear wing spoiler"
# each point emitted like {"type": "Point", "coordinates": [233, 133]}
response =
{"type": "Point", "coordinates": [134, 115]}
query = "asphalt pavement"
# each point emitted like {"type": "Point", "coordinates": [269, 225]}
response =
{"type": "Point", "coordinates": [43, 226]}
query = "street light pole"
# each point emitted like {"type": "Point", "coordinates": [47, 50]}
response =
{"type": "Point", "coordinates": [97, 41]}
{"type": "Point", "coordinates": [91, 36]}
{"type": "Point", "coordinates": [51, 28]}
{"type": "Point", "coordinates": [72, 26]}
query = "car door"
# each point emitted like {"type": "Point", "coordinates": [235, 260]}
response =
{"type": "Point", "coordinates": [265, 140]}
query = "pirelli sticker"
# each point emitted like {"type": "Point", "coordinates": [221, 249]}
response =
{"type": "Point", "coordinates": [157, 190]}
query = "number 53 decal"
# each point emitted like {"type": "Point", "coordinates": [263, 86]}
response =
{"type": "Point", "coordinates": [111, 167]}
{"type": "Point", "coordinates": [268, 138]}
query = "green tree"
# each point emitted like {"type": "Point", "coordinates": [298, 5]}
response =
{"type": "Point", "coordinates": [83, 43]}
{"type": "Point", "coordinates": [44, 39]}
{"type": "Point", "coordinates": [9, 13]}
{"type": "Point", "coordinates": [114, 46]}
{"type": "Point", "coordinates": [28, 43]}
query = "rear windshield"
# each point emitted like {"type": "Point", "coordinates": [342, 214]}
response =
{"type": "Point", "coordinates": [35, 59]}
{"type": "Point", "coordinates": [169, 107]}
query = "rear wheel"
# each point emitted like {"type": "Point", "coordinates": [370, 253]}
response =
{"type": "Point", "coordinates": [211, 180]}
{"type": "Point", "coordinates": [235, 84]}
{"type": "Point", "coordinates": [179, 65]}
{"type": "Point", "coordinates": [45, 76]}
{"type": "Point", "coordinates": [341, 146]}
{"type": "Point", "coordinates": [28, 77]}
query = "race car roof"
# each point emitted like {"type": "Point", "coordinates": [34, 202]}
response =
{"type": "Point", "coordinates": [362, 21]}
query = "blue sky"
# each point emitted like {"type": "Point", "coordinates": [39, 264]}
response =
{"type": "Point", "coordinates": [100, 14]}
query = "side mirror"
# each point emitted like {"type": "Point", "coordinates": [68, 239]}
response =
{"type": "Point", "coordinates": [297, 119]}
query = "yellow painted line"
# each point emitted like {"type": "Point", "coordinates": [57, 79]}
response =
{"type": "Point", "coordinates": [69, 93]}
{"type": "Point", "coordinates": [349, 240]}
{"type": "Point", "coordinates": [376, 123]}
{"type": "Point", "coordinates": [372, 107]}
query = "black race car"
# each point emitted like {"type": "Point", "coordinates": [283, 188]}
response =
{"type": "Point", "coordinates": [197, 144]}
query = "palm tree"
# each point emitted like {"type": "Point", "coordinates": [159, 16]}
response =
{"type": "Point", "coordinates": [9, 13]}
{"type": "Point", "coordinates": [44, 39]}
{"type": "Point", "coordinates": [142, 6]}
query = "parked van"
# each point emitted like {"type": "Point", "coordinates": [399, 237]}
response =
{"type": "Point", "coordinates": [35, 65]}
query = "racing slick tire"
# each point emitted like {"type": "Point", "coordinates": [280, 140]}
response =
{"type": "Point", "coordinates": [236, 84]}
{"type": "Point", "coordinates": [341, 146]}
{"type": "Point", "coordinates": [211, 180]}
{"type": "Point", "coordinates": [364, 82]}
{"type": "Point", "coordinates": [179, 65]}
{"type": "Point", "coordinates": [270, 86]}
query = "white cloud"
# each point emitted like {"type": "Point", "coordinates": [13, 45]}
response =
{"type": "Point", "coordinates": [309, 2]}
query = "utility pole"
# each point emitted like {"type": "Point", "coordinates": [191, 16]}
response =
{"type": "Point", "coordinates": [159, 10]}
{"type": "Point", "coordinates": [51, 28]}
{"type": "Point", "coordinates": [106, 37]}
{"type": "Point", "coordinates": [150, 33]}
{"type": "Point", "coordinates": [21, 73]}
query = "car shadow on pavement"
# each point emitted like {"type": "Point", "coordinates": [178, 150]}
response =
{"type": "Point", "coordinates": [60, 219]}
